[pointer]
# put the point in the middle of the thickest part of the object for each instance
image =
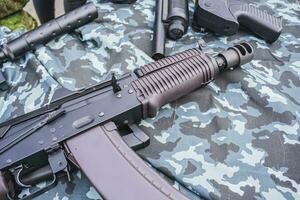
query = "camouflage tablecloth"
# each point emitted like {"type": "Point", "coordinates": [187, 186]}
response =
{"type": "Point", "coordinates": [238, 138]}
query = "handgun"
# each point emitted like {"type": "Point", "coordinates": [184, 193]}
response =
{"type": "Point", "coordinates": [29, 41]}
{"type": "Point", "coordinates": [224, 17]}
{"type": "Point", "coordinates": [172, 21]}
{"type": "Point", "coordinates": [95, 129]}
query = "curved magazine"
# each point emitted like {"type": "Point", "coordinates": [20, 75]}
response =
{"type": "Point", "coordinates": [115, 170]}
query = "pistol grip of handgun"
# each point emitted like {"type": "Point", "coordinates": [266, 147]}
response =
{"type": "Point", "coordinates": [260, 22]}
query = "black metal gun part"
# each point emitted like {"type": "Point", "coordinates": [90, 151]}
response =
{"type": "Point", "coordinates": [224, 17]}
{"type": "Point", "coordinates": [172, 21]}
{"type": "Point", "coordinates": [45, 33]}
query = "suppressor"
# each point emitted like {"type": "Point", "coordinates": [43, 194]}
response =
{"type": "Point", "coordinates": [45, 33]}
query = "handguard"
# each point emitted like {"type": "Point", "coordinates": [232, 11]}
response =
{"type": "Point", "coordinates": [170, 78]}
{"type": "Point", "coordinates": [225, 16]}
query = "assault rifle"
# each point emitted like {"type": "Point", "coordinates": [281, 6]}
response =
{"type": "Point", "coordinates": [94, 129]}
{"type": "Point", "coordinates": [45, 33]}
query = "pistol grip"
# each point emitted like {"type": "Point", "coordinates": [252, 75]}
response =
{"type": "Point", "coordinates": [260, 22]}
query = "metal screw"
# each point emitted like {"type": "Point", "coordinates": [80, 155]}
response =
{"type": "Point", "coordinates": [130, 91]}
{"type": "Point", "coordinates": [54, 139]}
{"type": "Point", "coordinates": [8, 161]}
{"type": "Point", "coordinates": [126, 122]}
{"type": "Point", "coordinates": [101, 114]}
{"type": "Point", "coordinates": [119, 95]}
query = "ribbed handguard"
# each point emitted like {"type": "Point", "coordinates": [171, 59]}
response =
{"type": "Point", "coordinates": [173, 77]}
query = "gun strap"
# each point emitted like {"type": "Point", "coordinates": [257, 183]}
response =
{"type": "Point", "coordinates": [115, 170]}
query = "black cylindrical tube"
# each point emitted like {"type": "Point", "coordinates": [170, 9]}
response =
{"type": "Point", "coordinates": [159, 33]}
{"type": "Point", "coordinates": [48, 31]}
{"type": "Point", "coordinates": [235, 56]}
{"type": "Point", "coordinates": [178, 18]}
{"type": "Point", "coordinates": [37, 176]}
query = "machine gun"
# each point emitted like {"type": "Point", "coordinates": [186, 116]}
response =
{"type": "Point", "coordinates": [94, 128]}
{"type": "Point", "coordinates": [45, 33]}
{"type": "Point", "coordinates": [225, 17]}
{"type": "Point", "coordinates": [172, 21]}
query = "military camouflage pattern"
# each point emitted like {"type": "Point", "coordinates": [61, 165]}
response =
{"type": "Point", "coordinates": [19, 20]}
{"type": "Point", "coordinates": [8, 7]}
{"type": "Point", "coordinates": [238, 138]}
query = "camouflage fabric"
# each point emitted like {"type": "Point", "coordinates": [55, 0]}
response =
{"type": "Point", "coordinates": [19, 20]}
{"type": "Point", "coordinates": [8, 7]}
{"type": "Point", "coordinates": [237, 138]}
